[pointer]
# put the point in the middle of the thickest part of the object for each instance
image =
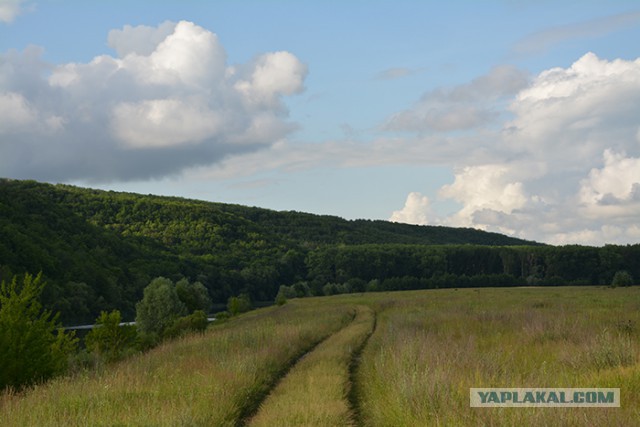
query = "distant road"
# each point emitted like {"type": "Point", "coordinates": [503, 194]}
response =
{"type": "Point", "coordinates": [83, 327]}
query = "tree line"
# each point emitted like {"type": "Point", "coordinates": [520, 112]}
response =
{"type": "Point", "coordinates": [99, 250]}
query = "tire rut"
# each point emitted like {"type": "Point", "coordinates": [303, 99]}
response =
{"type": "Point", "coordinates": [320, 388]}
{"type": "Point", "coordinates": [251, 409]}
{"type": "Point", "coordinates": [353, 396]}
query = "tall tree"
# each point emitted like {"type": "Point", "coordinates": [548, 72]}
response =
{"type": "Point", "coordinates": [159, 307]}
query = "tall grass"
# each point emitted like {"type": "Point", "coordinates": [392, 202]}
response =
{"type": "Point", "coordinates": [430, 348]}
{"type": "Point", "coordinates": [315, 392]}
{"type": "Point", "coordinates": [206, 380]}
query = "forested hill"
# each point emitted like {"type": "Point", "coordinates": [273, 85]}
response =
{"type": "Point", "coordinates": [99, 249]}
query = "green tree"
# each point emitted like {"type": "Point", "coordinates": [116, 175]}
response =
{"type": "Point", "coordinates": [159, 307]}
{"type": "Point", "coordinates": [194, 296]}
{"type": "Point", "coordinates": [108, 339]}
{"type": "Point", "coordinates": [622, 278]}
{"type": "Point", "coordinates": [239, 304]}
{"type": "Point", "coordinates": [33, 347]}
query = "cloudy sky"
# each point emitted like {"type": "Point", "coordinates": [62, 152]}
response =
{"type": "Point", "coordinates": [521, 117]}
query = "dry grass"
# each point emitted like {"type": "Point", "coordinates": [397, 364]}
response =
{"type": "Point", "coordinates": [199, 380]}
{"type": "Point", "coordinates": [428, 350]}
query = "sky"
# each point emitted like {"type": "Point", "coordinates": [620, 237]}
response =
{"type": "Point", "coordinates": [519, 117]}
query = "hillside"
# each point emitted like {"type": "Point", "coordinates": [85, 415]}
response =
{"type": "Point", "coordinates": [99, 249]}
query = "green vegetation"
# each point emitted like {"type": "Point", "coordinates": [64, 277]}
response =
{"type": "Point", "coordinates": [313, 393]}
{"type": "Point", "coordinates": [215, 379]}
{"type": "Point", "coordinates": [193, 295]}
{"type": "Point", "coordinates": [239, 304]}
{"type": "Point", "coordinates": [426, 350]}
{"type": "Point", "coordinates": [108, 340]}
{"type": "Point", "coordinates": [98, 250]}
{"type": "Point", "coordinates": [159, 308]}
{"type": "Point", "coordinates": [622, 278]}
{"type": "Point", "coordinates": [431, 347]}
{"type": "Point", "coordinates": [32, 347]}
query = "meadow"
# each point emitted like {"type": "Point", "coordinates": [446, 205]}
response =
{"type": "Point", "coordinates": [375, 359]}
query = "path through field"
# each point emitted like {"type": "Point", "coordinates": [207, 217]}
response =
{"type": "Point", "coordinates": [319, 390]}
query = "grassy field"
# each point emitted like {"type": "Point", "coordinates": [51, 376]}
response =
{"type": "Point", "coordinates": [315, 392]}
{"type": "Point", "coordinates": [315, 362]}
{"type": "Point", "coordinates": [211, 380]}
{"type": "Point", "coordinates": [431, 347]}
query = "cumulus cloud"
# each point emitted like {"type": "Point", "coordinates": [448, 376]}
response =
{"type": "Point", "coordinates": [484, 188]}
{"type": "Point", "coordinates": [463, 107]}
{"type": "Point", "coordinates": [566, 167]}
{"type": "Point", "coordinates": [140, 40]}
{"type": "Point", "coordinates": [612, 191]}
{"type": "Point", "coordinates": [166, 102]}
{"type": "Point", "coordinates": [10, 9]}
{"type": "Point", "coordinates": [416, 210]}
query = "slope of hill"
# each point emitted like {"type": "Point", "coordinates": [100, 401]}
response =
{"type": "Point", "coordinates": [99, 249]}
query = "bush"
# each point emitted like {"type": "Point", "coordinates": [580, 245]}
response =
{"type": "Point", "coordinates": [622, 278]}
{"type": "Point", "coordinates": [287, 292]}
{"type": "Point", "coordinates": [239, 304]}
{"type": "Point", "coordinates": [281, 299]}
{"type": "Point", "coordinates": [195, 322]}
{"type": "Point", "coordinates": [330, 289]}
{"type": "Point", "coordinates": [33, 347]}
{"type": "Point", "coordinates": [108, 339]}
{"type": "Point", "coordinates": [300, 290]}
{"type": "Point", "coordinates": [194, 296]}
{"type": "Point", "coordinates": [222, 316]}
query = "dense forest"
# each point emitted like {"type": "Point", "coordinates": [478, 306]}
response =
{"type": "Point", "coordinates": [97, 250]}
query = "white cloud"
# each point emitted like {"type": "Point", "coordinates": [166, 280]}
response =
{"type": "Point", "coordinates": [141, 40]}
{"type": "Point", "coordinates": [10, 9]}
{"type": "Point", "coordinates": [164, 123]}
{"type": "Point", "coordinates": [416, 210]}
{"type": "Point", "coordinates": [613, 191]}
{"type": "Point", "coordinates": [483, 188]}
{"type": "Point", "coordinates": [583, 109]}
{"type": "Point", "coordinates": [566, 168]}
{"type": "Point", "coordinates": [273, 75]}
{"type": "Point", "coordinates": [168, 101]}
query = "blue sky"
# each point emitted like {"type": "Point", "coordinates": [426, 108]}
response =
{"type": "Point", "coordinates": [521, 117]}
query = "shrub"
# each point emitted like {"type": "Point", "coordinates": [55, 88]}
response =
{"type": "Point", "coordinates": [108, 339]}
{"type": "Point", "coordinates": [281, 299]}
{"type": "Point", "coordinates": [622, 278]}
{"type": "Point", "coordinates": [194, 296]}
{"type": "Point", "coordinates": [239, 304]}
{"type": "Point", "coordinates": [301, 290]}
{"type": "Point", "coordinates": [33, 347]}
{"type": "Point", "coordinates": [195, 322]}
{"type": "Point", "coordinates": [287, 292]}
